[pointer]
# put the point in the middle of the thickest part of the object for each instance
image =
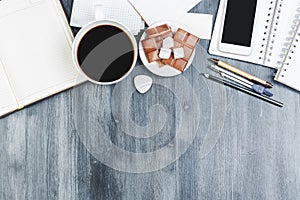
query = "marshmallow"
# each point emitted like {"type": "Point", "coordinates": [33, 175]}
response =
{"type": "Point", "coordinates": [178, 53]}
{"type": "Point", "coordinates": [165, 53]}
{"type": "Point", "coordinates": [168, 43]}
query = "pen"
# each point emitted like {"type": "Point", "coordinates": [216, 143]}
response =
{"type": "Point", "coordinates": [238, 79]}
{"type": "Point", "coordinates": [242, 89]}
{"type": "Point", "coordinates": [257, 88]}
{"type": "Point", "coordinates": [241, 73]}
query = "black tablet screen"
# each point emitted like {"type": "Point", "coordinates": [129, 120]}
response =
{"type": "Point", "coordinates": [239, 21]}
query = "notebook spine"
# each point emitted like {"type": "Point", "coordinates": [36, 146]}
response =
{"type": "Point", "coordinates": [292, 42]}
{"type": "Point", "coordinates": [270, 30]}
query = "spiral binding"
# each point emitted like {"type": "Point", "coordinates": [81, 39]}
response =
{"type": "Point", "coordinates": [270, 30]}
{"type": "Point", "coordinates": [290, 45]}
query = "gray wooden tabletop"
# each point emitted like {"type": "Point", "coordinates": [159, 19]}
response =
{"type": "Point", "coordinates": [45, 154]}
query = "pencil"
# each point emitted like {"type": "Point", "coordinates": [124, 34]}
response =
{"type": "Point", "coordinates": [241, 73]}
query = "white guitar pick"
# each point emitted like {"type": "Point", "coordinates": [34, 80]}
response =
{"type": "Point", "coordinates": [143, 83]}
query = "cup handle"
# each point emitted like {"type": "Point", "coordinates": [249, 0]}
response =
{"type": "Point", "coordinates": [99, 14]}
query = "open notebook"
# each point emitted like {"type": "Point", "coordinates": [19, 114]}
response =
{"type": "Point", "coordinates": [35, 52]}
{"type": "Point", "coordinates": [271, 29]}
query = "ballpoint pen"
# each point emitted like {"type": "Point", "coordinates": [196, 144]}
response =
{"type": "Point", "coordinates": [238, 79]}
{"type": "Point", "coordinates": [241, 73]}
{"type": "Point", "coordinates": [242, 89]}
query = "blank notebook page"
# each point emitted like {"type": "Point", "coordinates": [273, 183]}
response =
{"type": "Point", "coordinates": [7, 99]}
{"type": "Point", "coordinates": [36, 51]}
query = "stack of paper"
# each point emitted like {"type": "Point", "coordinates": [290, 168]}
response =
{"type": "Point", "coordinates": [84, 11]}
{"type": "Point", "coordinates": [175, 10]}
{"type": "Point", "coordinates": [167, 10]}
{"type": "Point", "coordinates": [131, 13]}
{"type": "Point", "coordinates": [198, 24]}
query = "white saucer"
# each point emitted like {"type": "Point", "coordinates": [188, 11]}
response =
{"type": "Point", "coordinates": [164, 71]}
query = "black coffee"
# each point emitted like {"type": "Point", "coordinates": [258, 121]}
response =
{"type": "Point", "coordinates": [105, 53]}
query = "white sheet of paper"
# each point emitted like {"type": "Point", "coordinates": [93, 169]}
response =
{"type": "Point", "coordinates": [198, 24]}
{"type": "Point", "coordinates": [83, 12]}
{"type": "Point", "coordinates": [167, 10]}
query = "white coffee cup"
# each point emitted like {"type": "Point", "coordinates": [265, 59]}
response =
{"type": "Point", "coordinates": [84, 66]}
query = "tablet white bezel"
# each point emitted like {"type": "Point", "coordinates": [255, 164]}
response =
{"type": "Point", "coordinates": [233, 48]}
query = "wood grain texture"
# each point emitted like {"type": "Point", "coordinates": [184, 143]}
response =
{"type": "Point", "coordinates": [256, 157]}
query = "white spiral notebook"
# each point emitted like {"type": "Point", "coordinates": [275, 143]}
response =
{"type": "Point", "coordinates": [35, 52]}
{"type": "Point", "coordinates": [272, 27]}
{"type": "Point", "coordinates": [289, 72]}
